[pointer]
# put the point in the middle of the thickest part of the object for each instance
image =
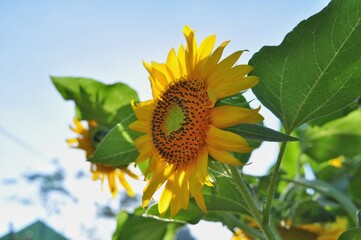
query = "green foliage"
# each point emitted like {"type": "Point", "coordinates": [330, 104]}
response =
{"type": "Point", "coordinates": [134, 227]}
{"type": "Point", "coordinates": [310, 82]}
{"type": "Point", "coordinates": [337, 137]}
{"type": "Point", "coordinates": [329, 191]}
{"type": "Point", "coordinates": [316, 69]}
{"type": "Point", "coordinates": [261, 133]}
{"type": "Point", "coordinates": [106, 104]}
{"type": "Point", "coordinates": [309, 212]}
{"type": "Point", "coordinates": [291, 159]}
{"type": "Point", "coordinates": [354, 186]}
{"type": "Point", "coordinates": [351, 234]}
{"type": "Point", "coordinates": [117, 148]}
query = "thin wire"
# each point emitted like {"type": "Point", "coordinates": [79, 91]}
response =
{"type": "Point", "coordinates": [21, 143]}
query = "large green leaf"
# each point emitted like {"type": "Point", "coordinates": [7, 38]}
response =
{"type": "Point", "coordinates": [106, 104]}
{"type": "Point", "coordinates": [133, 227]}
{"type": "Point", "coordinates": [260, 132]}
{"type": "Point", "coordinates": [351, 234]}
{"type": "Point", "coordinates": [338, 137]}
{"type": "Point", "coordinates": [117, 147]}
{"type": "Point", "coordinates": [316, 70]}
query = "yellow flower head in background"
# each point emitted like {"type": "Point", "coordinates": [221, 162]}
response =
{"type": "Point", "coordinates": [84, 141]}
{"type": "Point", "coordinates": [327, 231]}
{"type": "Point", "coordinates": [240, 235]}
{"type": "Point", "coordinates": [182, 125]}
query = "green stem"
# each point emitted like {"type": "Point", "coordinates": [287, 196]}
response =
{"type": "Point", "coordinates": [330, 191]}
{"type": "Point", "coordinates": [272, 186]}
{"type": "Point", "coordinates": [233, 221]}
{"type": "Point", "coordinates": [251, 203]}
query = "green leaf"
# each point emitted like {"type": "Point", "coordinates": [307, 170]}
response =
{"type": "Point", "coordinates": [309, 211]}
{"type": "Point", "coordinates": [354, 187]}
{"type": "Point", "coordinates": [316, 70]}
{"type": "Point", "coordinates": [338, 137]}
{"type": "Point", "coordinates": [351, 234]}
{"type": "Point", "coordinates": [133, 227]}
{"type": "Point", "coordinates": [329, 191]}
{"type": "Point", "coordinates": [106, 104]}
{"type": "Point", "coordinates": [290, 159]}
{"type": "Point", "coordinates": [339, 114]}
{"type": "Point", "coordinates": [117, 147]}
{"type": "Point", "coordinates": [260, 132]}
{"type": "Point", "coordinates": [236, 100]}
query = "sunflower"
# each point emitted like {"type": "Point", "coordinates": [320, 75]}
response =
{"type": "Point", "coordinates": [327, 231]}
{"type": "Point", "coordinates": [182, 126]}
{"type": "Point", "coordinates": [239, 234]}
{"type": "Point", "coordinates": [99, 171]}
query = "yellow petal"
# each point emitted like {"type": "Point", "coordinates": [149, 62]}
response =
{"type": "Point", "coordinates": [234, 74]}
{"type": "Point", "coordinates": [144, 153]}
{"type": "Point", "coordinates": [157, 180]}
{"type": "Point", "coordinates": [184, 189]}
{"type": "Point", "coordinates": [182, 60]}
{"type": "Point", "coordinates": [140, 126]}
{"type": "Point", "coordinates": [131, 174]}
{"type": "Point", "coordinates": [200, 202]}
{"type": "Point", "coordinates": [175, 206]}
{"type": "Point", "coordinates": [143, 110]}
{"type": "Point", "coordinates": [174, 65]}
{"type": "Point", "coordinates": [232, 87]}
{"type": "Point", "coordinates": [191, 48]}
{"type": "Point", "coordinates": [156, 85]}
{"type": "Point", "coordinates": [212, 96]}
{"type": "Point", "coordinates": [153, 164]}
{"type": "Point", "coordinates": [206, 67]}
{"type": "Point", "coordinates": [223, 156]}
{"type": "Point", "coordinates": [195, 186]}
{"type": "Point", "coordinates": [202, 164]}
{"type": "Point", "coordinates": [225, 140]}
{"type": "Point", "coordinates": [206, 47]}
{"type": "Point", "coordinates": [125, 183]}
{"type": "Point", "coordinates": [160, 74]}
{"type": "Point", "coordinates": [226, 116]}
{"type": "Point", "coordinates": [96, 175]}
{"type": "Point", "coordinates": [78, 126]}
{"type": "Point", "coordinates": [71, 141]}
{"type": "Point", "coordinates": [112, 184]}
{"type": "Point", "coordinates": [224, 67]}
{"type": "Point", "coordinates": [166, 197]}
{"type": "Point", "coordinates": [142, 141]}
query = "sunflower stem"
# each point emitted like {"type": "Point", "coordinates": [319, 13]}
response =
{"type": "Point", "coordinates": [232, 221]}
{"type": "Point", "coordinates": [272, 186]}
{"type": "Point", "coordinates": [251, 203]}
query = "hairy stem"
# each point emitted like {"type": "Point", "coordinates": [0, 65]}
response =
{"type": "Point", "coordinates": [272, 186]}
{"type": "Point", "coordinates": [233, 221]}
{"type": "Point", "coordinates": [251, 203]}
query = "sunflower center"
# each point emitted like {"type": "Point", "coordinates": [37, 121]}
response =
{"type": "Point", "coordinates": [174, 119]}
{"type": "Point", "coordinates": [180, 121]}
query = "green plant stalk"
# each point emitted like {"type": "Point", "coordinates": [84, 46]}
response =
{"type": "Point", "coordinates": [327, 190]}
{"type": "Point", "coordinates": [251, 203]}
{"type": "Point", "coordinates": [272, 186]}
{"type": "Point", "coordinates": [232, 220]}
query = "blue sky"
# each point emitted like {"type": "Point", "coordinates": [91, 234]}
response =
{"type": "Point", "coordinates": [106, 40]}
